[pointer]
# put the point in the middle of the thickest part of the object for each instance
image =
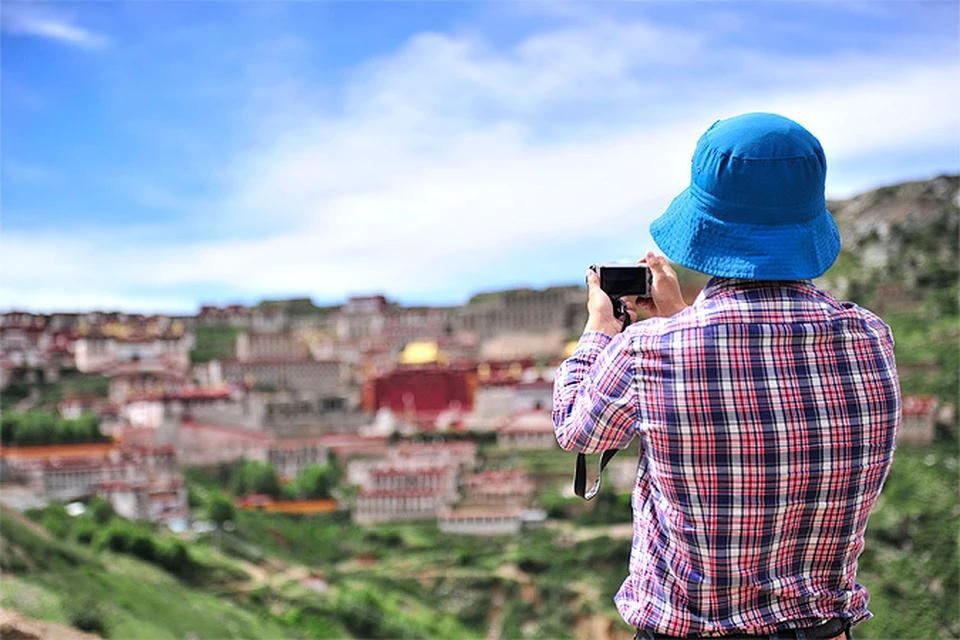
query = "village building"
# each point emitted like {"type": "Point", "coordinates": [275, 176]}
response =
{"type": "Point", "coordinates": [236, 315]}
{"type": "Point", "coordinates": [386, 505]}
{"type": "Point", "coordinates": [349, 446]}
{"type": "Point", "coordinates": [142, 483]}
{"type": "Point", "coordinates": [148, 409]}
{"type": "Point", "coordinates": [413, 482]}
{"type": "Point", "coordinates": [527, 430]}
{"type": "Point", "coordinates": [290, 457]}
{"type": "Point", "coordinates": [460, 453]}
{"type": "Point", "coordinates": [489, 521]}
{"type": "Point", "coordinates": [415, 324]}
{"type": "Point", "coordinates": [312, 377]}
{"type": "Point", "coordinates": [209, 444]}
{"type": "Point", "coordinates": [919, 420]}
{"type": "Point", "coordinates": [143, 377]}
{"type": "Point", "coordinates": [506, 488]}
{"type": "Point", "coordinates": [441, 480]}
{"type": "Point", "coordinates": [500, 395]}
{"type": "Point", "coordinates": [253, 346]}
{"type": "Point", "coordinates": [420, 394]}
{"type": "Point", "coordinates": [23, 340]}
{"type": "Point", "coordinates": [523, 311]}
{"type": "Point", "coordinates": [103, 347]}
{"type": "Point", "coordinates": [362, 317]}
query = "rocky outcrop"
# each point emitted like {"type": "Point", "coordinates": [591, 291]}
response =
{"type": "Point", "coordinates": [902, 236]}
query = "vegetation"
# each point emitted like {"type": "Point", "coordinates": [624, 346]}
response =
{"type": "Point", "coordinates": [50, 393]}
{"type": "Point", "coordinates": [411, 580]}
{"type": "Point", "coordinates": [119, 595]}
{"type": "Point", "coordinates": [215, 342]}
{"type": "Point", "coordinates": [33, 428]}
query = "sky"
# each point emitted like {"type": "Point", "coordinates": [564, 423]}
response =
{"type": "Point", "coordinates": [160, 156]}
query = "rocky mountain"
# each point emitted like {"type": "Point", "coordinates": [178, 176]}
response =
{"type": "Point", "coordinates": [899, 240]}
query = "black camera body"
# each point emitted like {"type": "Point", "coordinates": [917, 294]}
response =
{"type": "Point", "coordinates": [619, 279]}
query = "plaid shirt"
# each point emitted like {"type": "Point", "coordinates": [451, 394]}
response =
{"type": "Point", "coordinates": [767, 414]}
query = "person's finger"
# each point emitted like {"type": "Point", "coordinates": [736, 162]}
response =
{"type": "Point", "coordinates": [633, 308]}
{"type": "Point", "coordinates": [593, 280]}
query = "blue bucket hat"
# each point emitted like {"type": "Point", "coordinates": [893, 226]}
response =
{"type": "Point", "coordinates": [755, 207]}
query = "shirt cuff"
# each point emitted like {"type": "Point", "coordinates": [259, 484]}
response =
{"type": "Point", "coordinates": [592, 342]}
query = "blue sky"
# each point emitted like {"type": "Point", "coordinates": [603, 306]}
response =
{"type": "Point", "coordinates": [157, 156]}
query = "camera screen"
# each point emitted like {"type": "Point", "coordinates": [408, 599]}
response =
{"type": "Point", "coordinates": [626, 280]}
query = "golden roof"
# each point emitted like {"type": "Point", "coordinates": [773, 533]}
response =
{"type": "Point", "coordinates": [420, 353]}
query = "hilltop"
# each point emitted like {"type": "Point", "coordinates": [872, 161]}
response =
{"type": "Point", "coordinates": [900, 239]}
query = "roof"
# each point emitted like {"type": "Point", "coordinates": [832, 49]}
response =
{"type": "Point", "coordinates": [454, 446]}
{"type": "Point", "coordinates": [919, 405]}
{"type": "Point", "coordinates": [395, 493]}
{"type": "Point", "coordinates": [240, 432]}
{"type": "Point", "coordinates": [486, 513]}
{"type": "Point", "coordinates": [295, 444]}
{"type": "Point", "coordinates": [494, 476]}
{"type": "Point", "coordinates": [85, 450]}
{"type": "Point", "coordinates": [528, 423]}
{"type": "Point", "coordinates": [198, 393]}
{"type": "Point", "coordinates": [420, 353]}
{"type": "Point", "coordinates": [416, 471]}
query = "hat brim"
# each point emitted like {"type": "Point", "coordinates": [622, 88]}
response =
{"type": "Point", "coordinates": [689, 235]}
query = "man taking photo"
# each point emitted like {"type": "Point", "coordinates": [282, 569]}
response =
{"type": "Point", "coordinates": [767, 411]}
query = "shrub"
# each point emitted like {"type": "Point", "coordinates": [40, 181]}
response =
{"type": "Point", "coordinates": [56, 525]}
{"type": "Point", "coordinates": [173, 556]}
{"type": "Point", "coordinates": [84, 531]}
{"type": "Point", "coordinates": [101, 510]}
{"type": "Point", "coordinates": [117, 537]}
{"type": "Point", "coordinates": [88, 615]}
{"type": "Point", "coordinates": [143, 547]}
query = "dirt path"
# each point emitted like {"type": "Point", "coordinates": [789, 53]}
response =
{"type": "Point", "coordinates": [16, 626]}
{"type": "Point", "coordinates": [497, 600]}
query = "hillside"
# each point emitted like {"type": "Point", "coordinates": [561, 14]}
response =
{"type": "Point", "coordinates": [901, 238]}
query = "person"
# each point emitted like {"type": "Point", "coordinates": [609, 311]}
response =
{"type": "Point", "coordinates": [766, 410]}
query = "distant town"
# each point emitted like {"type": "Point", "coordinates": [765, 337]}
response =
{"type": "Point", "coordinates": [398, 396]}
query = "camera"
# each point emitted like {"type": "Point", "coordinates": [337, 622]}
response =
{"type": "Point", "coordinates": [619, 279]}
{"type": "Point", "coordinates": [623, 279]}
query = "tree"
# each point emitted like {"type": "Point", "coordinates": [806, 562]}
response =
{"type": "Point", "coordinates": [101, 510]}
{"type": "Point", "coordinates": [256, 477]}
{"type": "Point", "coordinates": [316, 481]}
{"type": "Point", "coordinates": [221, 510]}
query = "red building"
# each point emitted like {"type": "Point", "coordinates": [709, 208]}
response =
{"type": "Point", "coordinates": [420, 394]}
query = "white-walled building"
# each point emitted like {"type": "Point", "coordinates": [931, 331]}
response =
{"type": "Point", "coordinates": [527, 430]}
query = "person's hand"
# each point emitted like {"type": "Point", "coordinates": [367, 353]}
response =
{"type": "Point", "coordinates": [600, 308]}
{"type": "Point", "coordinates": [666, 298]}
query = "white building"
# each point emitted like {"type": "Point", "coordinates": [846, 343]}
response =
{"type": "Point", "coordinates": [482, 522]}
{"type": "Point", "coordinates": [527, 430]}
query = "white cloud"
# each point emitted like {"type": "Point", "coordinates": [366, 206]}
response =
{"type": "Point", "coordinates": [450, 157]}
{"type": "Point", "coordinates": [30, 20]}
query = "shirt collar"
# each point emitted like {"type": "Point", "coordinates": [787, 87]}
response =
{"type": "Point", "coordinates": [718, 286]}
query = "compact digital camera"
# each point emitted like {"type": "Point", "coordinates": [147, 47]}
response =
{"type": "Point", "coordinates": [619, 279]}
{"type": "Point", "coordinates": [622, 279]}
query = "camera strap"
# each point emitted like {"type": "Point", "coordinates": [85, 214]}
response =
{"type": "Point", "coordinates": [580, 474]}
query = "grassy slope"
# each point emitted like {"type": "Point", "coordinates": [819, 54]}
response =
{"type": "Point", "coordinates": [413, 581]}
{"type": "Point", "coordinates": [56, 579]}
